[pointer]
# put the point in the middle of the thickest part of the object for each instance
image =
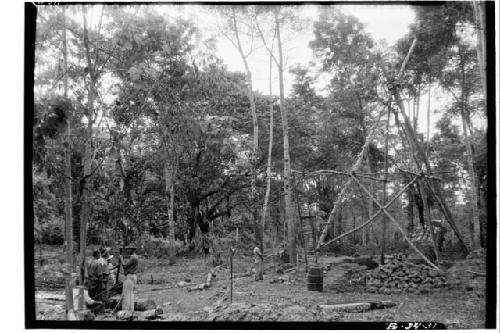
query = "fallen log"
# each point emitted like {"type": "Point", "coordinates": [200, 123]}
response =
{"type": "Point", "coordinates": [346, 307]}
{"type": "Point", "coordinates": [163, 288]}
{"type": "Point", "coordinates": [357, 306]}
{"type": "Point", "coordinates": [52, 297]}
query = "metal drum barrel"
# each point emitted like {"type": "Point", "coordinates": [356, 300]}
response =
{"type": "Point", "coordinates": [315, 278]}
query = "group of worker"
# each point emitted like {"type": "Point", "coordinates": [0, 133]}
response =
{"type": "Point", "coordinates": [102, 277]}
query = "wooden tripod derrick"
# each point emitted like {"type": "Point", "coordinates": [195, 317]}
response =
{"type": "Point", "coordinates": [421, 160]}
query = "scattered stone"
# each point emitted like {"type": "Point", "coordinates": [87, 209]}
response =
{"type": "Point", "coordinates": [144, 305]}
{"type": "Point", "coordinates": [71, 315]}
{"type": "Point", "coordinates": [96, 307]}
{"type": "Point", "coordinates": [125, 315]}
{"type": "Point", "coordinates": [182, 284]}
{"type": "Point", "coordinates": [85, 315]}
{"type": "Point", "coordinates": [400, 275]}
{"type": "Point", "coordinates": [152, 314]}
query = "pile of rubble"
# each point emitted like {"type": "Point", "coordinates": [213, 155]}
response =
{"type": "Point", "coordinates": [401, 276]}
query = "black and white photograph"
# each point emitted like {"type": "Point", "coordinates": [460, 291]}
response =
{"type": "Point", "coordinates": [260, 165]}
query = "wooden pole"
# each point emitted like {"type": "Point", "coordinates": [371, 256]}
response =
{"type": "Point", "coordinates": [68, 186]}
{"type": "Point", "coordinates": [231, 274]}
{"type": "Point", "coordinates": [480, 18]}
{"type": "Point", "coordinates": [301, 230]}
{"type": "Point", "coordinates": [429, 119]}
{"type": "Point", "coordinates": [384, 220]}
{"type": "Point", "coordinates": [269, 154]}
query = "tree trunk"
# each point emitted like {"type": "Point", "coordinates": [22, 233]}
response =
{"type": "Point", "coordinates": [286, 152]}
{"type": "Point", "coordinates": [416, 108]}
{"type": "Point", "coordinates": [384, 219]}
{"type": "Point", "coordinates": [480, 18]}
{"type": "Point", "coordinates": [340, 221]}
{"type": "Point", "coordinates": [420, 204]}
{"type": "Point", "coordinates": [169, 173]}
{"type": "Point", "coordinates": [269, 156]}
{"type": "Point", "coordinates": [482, 213]}
{"type": "Point", "coordinates": [354, 227]}
{"type": "Point", "coordinates": [68, 202]}
{"type": "Point", "coordinates": [255, 141]}
{"type": "Point", "coordinates": [372, 191]}
{"type": "Point", "coordinates": [87, 156]}
{"type": "Point", "coordinates": [429, 119]}
{"type": "Point", "coordinates": [476, 234]}
{"type": "Point", "coordinates": [429, 219]}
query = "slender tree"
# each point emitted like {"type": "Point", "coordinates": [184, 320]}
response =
{"type": "Point", "coordinates": [269, 151]}
{"type": "Point", "coordinates": [237, 42]}
{"type": "Point", "coordinates": [68, 202]}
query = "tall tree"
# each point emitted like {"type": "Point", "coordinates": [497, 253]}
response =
{"type": "Point", "coordinates": [269, 152]}
{"type": "Point", "coordinates": [277, 16]}
{"type": "Point", "coordinates": [68, 183]}
{"type": "Point", "coordinates": [234, 15]}
{"type": "Point", "coordinates": [462, 81]}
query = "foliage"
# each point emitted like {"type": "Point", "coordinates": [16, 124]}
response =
{"type": "Point", "coordinates": [168, 109]}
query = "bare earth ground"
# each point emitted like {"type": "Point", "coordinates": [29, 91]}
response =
{"type": "Point", "coordinates": [266, 301]}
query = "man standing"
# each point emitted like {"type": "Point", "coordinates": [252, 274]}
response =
{"type": "Point", "coordinates": [106, 271]}
{"type": "Point", "coordinates": [96, 282]}
{"type": "Point", "coordinates": [258, 263]}
{"type": "Point", "coordinates": [130, 269]}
